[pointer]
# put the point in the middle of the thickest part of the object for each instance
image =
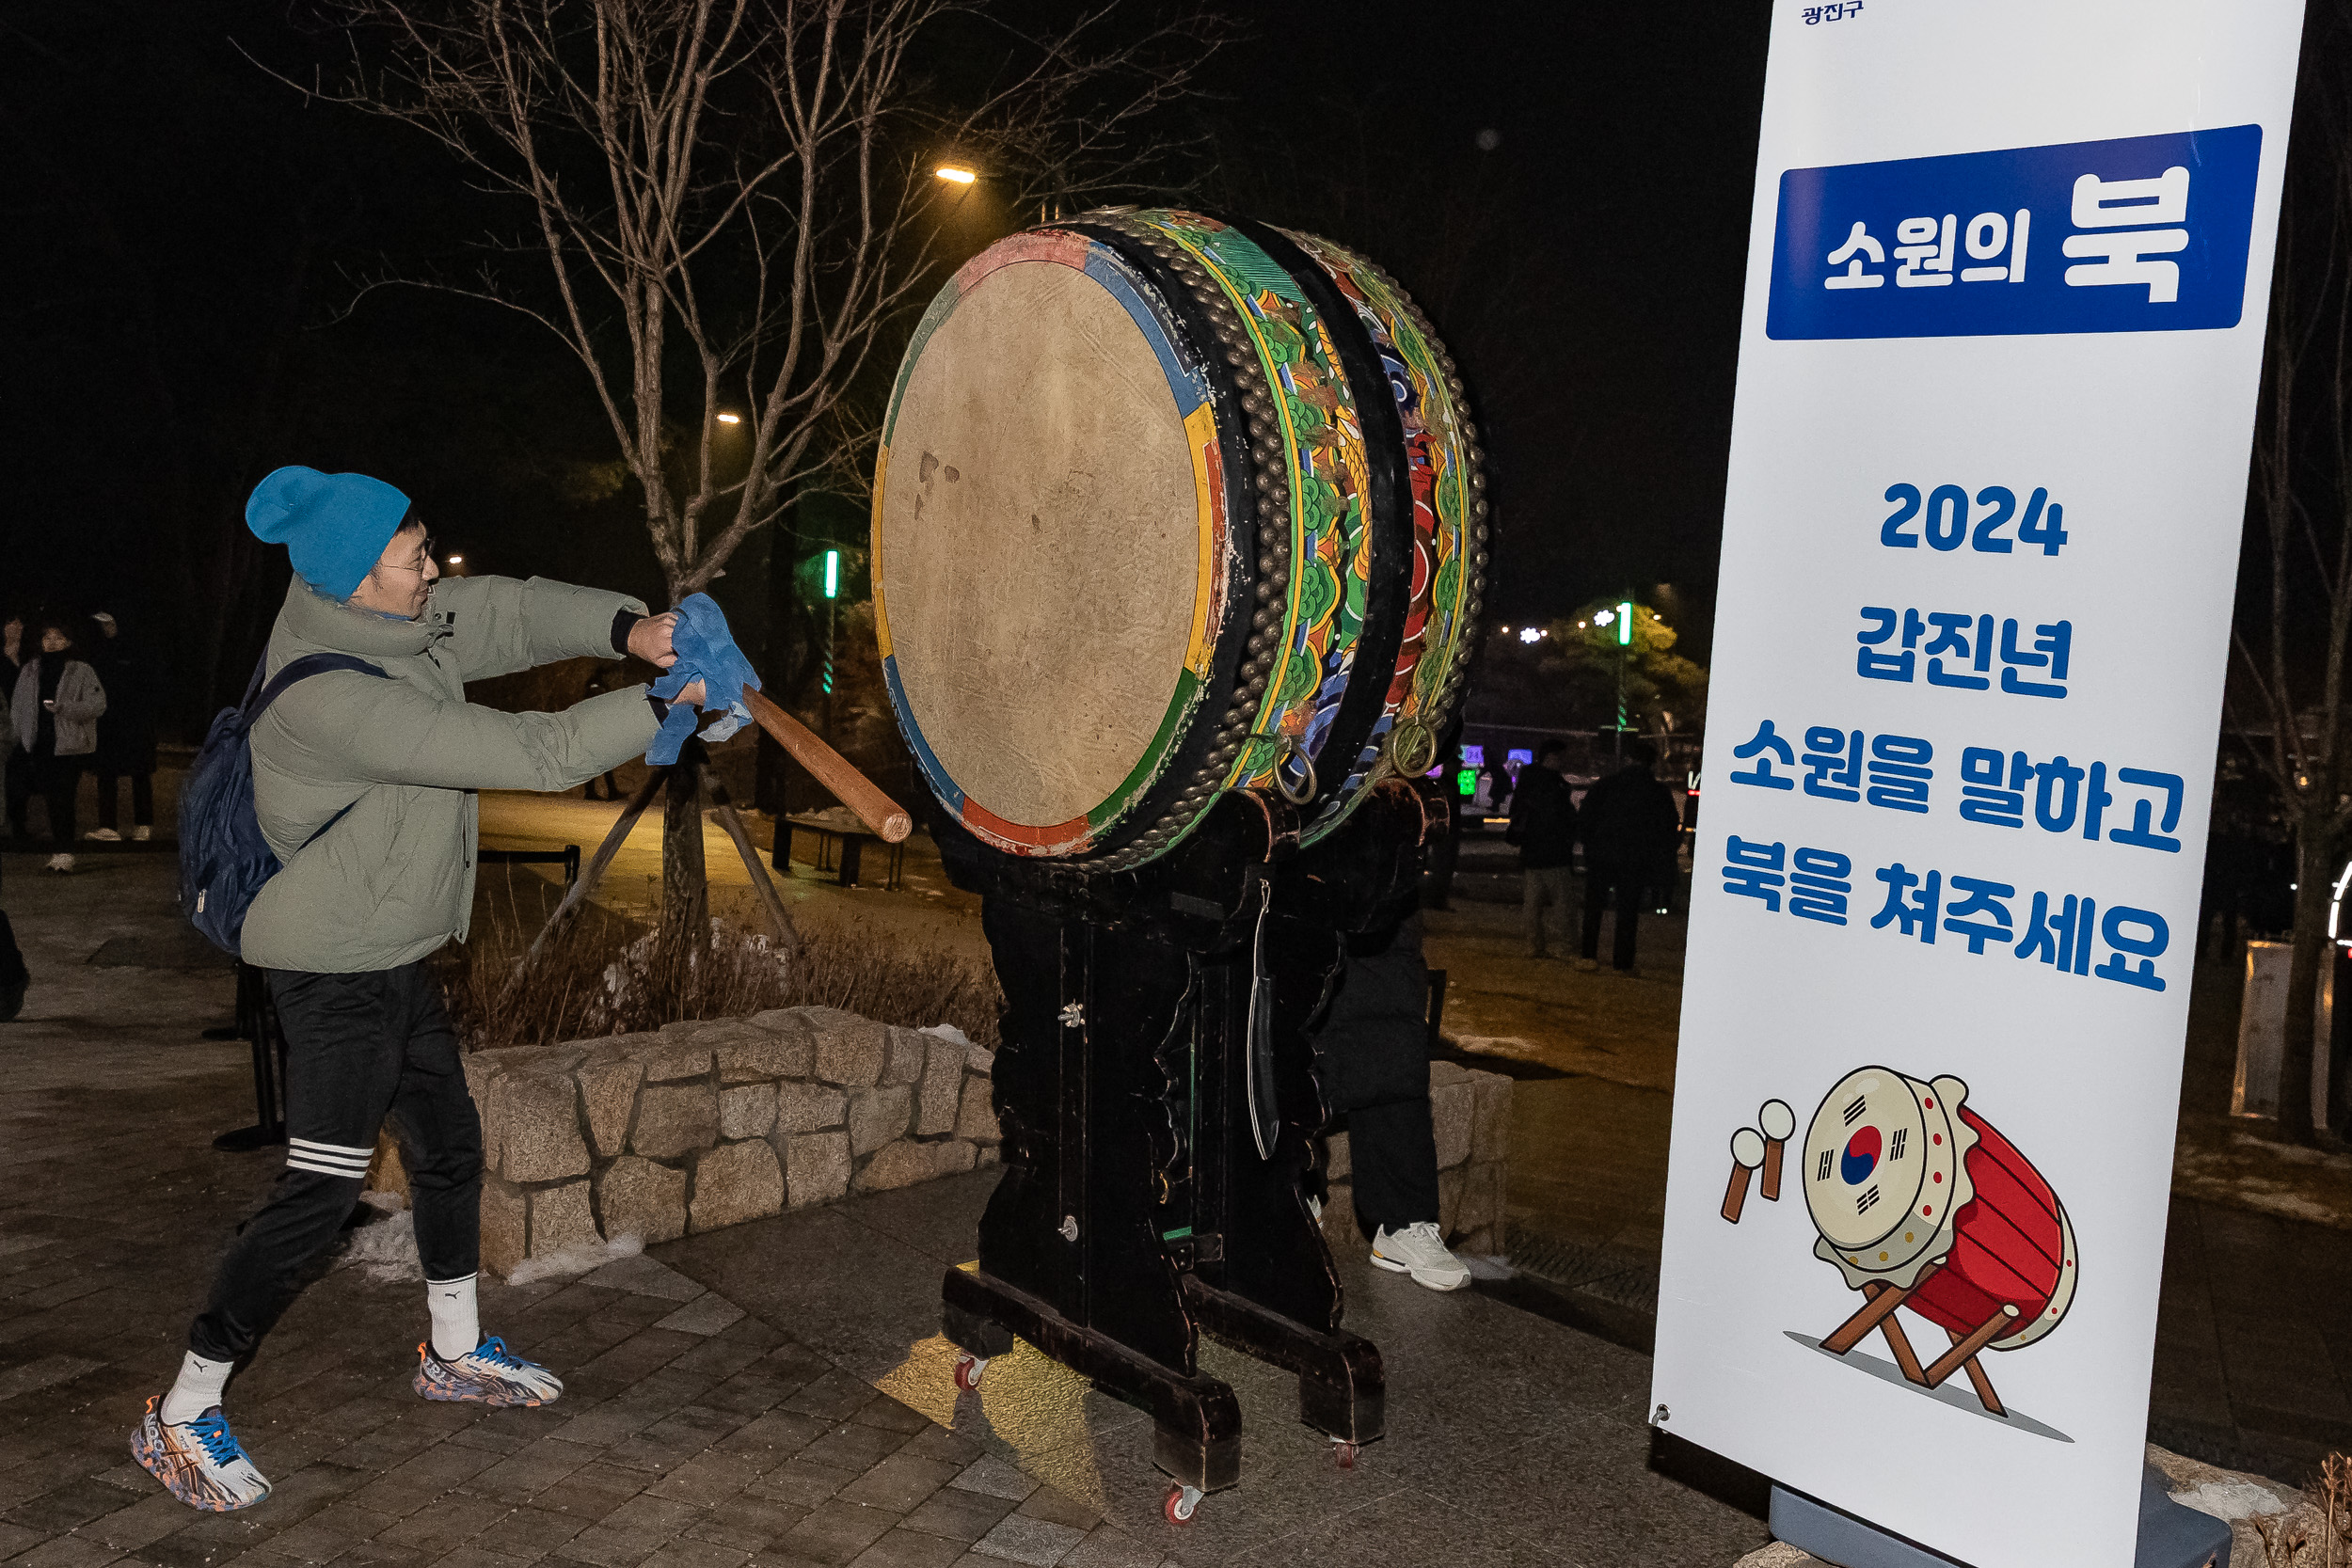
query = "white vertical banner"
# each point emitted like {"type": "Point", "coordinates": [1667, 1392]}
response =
{"type": "Point", "coordinates": [2007, 286]}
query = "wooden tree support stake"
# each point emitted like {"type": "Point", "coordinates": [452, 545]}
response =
{"type": "Point", "coordinates": [589, 876]}
{"type": "Point", "coordinates": [787, 936]}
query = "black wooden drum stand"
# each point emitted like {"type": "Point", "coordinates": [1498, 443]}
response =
{"type": "Point", "coordinates": [1154, 1152]}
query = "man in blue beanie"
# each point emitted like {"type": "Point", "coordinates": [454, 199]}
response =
{"type": "Point", "coordinates": [364, 786]}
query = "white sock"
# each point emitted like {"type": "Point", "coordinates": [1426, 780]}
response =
{"type": "Point", "coordinates": [456, 1325]}
{"type": "Point", "coordinates": [198, 1390]}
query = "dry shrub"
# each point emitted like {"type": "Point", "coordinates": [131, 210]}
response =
{"type": "Point", "coordinates": [611, 979]}
{"type": "Point", "coordinates": [2318, 1534]}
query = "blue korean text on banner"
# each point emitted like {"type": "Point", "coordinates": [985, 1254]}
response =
{"type": "Point", "coordinates": [2137, 235]}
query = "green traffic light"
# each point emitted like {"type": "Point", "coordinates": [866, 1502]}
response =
{"type": "Point", "coordinates": [832, 574]}
{"type": "Point", "coordinates": [1625, 625]}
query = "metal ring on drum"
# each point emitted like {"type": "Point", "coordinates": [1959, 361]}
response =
{"type": "Point", "coordinates": [1168, 506]}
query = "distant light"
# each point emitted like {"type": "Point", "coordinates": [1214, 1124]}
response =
{"type": "Point", "coordinates": [832, 574]}
{"type": "Point", "coordinates": [1625, 625]}
{"type": "Point", "coordinates": [955, 174]}
{"type": "Point", "coordinates": [1579, 626]}
{"type": "Point", "coordinates": [457, 560]}
{"type": "Point", "coordinates": [730, 419]}
{"type": "Point", "coordinates": [1529, 634]}
{"type": "Point", "coordinates": [1602, 617]}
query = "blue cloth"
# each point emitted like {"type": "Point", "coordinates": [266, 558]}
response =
{"type": "Point", "coordinates": [334, 525]}
{"type": "Point", "coordinates": [705, 652]}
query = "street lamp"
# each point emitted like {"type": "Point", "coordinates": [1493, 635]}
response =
{"type": "Point", "coordinates": [457, 560]}
{"type": "Point", "coordinates": [730, 419]}
{"type": "Point", "coordinates": [955, 174]}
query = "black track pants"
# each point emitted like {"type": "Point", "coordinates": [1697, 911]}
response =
{"type": "Point", "coordinates": [1373, 1060]}
{"type": "Point", "coordinates": [359, 1049]}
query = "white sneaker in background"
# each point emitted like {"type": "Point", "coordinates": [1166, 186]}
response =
{"type": "Point", "coordinates": [61, 862]}
{"type": "Point", "coordinates": [1418, 1250]}
{"type": "Point", "coordinates": [143, 834]}
{"type": "Point", "coordinates": [104, 835]}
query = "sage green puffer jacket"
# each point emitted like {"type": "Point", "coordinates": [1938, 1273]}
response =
{"type": "Point", "coordinates": [393, 878]}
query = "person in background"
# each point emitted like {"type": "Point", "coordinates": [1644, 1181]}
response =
{"type": "Point", "coordinates": [1629, 826]}
{"type": "Point", "coordinates": [1371, 1059]}
{"type": "Point", "coordinates": [55, 712]}
{"type": "Point", "coordinates": [126, 736]}
{"type": "Point", "coordinates": [16, 787]}
{"type": "Point", "coordinates": [1543, 825]}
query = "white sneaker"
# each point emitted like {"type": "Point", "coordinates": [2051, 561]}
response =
{"type": "Point", "coordinates": [140, 835]}
{"type": "Point", "coordinates": [61, 862]}
{"type": "Point", "coordinates": [198, 1462]}
{"type": "Point", "coordinates": [1419, 1251]}
{"type": "Point", "coordinates": [104, 835]}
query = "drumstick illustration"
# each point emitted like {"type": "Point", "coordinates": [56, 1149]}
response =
{"type": "Point", "coordinates": [832, 770]}
{"type": "Point", "coordinates": [1779, 1123]}
{"type": "Point", "coordinates": [1747, 1153]}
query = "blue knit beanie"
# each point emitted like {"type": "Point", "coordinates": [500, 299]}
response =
{"type": "Point", "coordinates": [334, 525]}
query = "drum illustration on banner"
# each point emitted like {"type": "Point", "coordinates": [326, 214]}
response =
{"type": "Point", "coordinates": [1922, 1205]}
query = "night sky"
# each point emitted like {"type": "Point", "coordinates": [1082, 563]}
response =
{"type": "Point", "coordinates": [191, 235]}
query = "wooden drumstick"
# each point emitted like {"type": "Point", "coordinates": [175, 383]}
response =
{"type": "Point", "coordinates": [1779, 1123]}
{"type": "Point", "coordinates": [1747, 1153]}
{"type": "Point", "coordinates": [829, 768]}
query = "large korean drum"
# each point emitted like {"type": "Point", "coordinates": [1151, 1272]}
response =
{"type": "Point", "coordinates": [1908, 1186]}
{"type": "Point", "coordinates": [1168, 506]}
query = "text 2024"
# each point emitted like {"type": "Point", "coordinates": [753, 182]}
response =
{"type": "Point", "coordinates": [1943, 518]}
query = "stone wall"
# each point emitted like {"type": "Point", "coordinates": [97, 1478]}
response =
{"type": "Point", "coordinates": [1473, 1113]}
{"type": "Point", "coordinates": [701, 1125]}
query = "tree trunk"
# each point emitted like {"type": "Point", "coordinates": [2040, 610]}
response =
{"type": "Point", "coordinates": [685, 892]}
{"type": "Point", "coordinates": [2316, 874]}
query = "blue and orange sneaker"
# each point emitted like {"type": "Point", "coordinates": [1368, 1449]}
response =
{"type": "Point", "coordinates": [487, 1375]}
{"type": "Point", "coordinates": [200, 1461]}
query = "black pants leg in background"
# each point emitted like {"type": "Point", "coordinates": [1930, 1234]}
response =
{"type": "Point", "coordinates": [1607, 884]}
{"type": "Point", "coordinates": [60, 783]}
{"type": "Point", "coordinates": [1372, 1062]}
{"type": "Point", "coordinates": [142, 798]}
{"type": "Point", "coordinates": [359, 1048]}
{"type": "Point", "coordinates": [19, 791]}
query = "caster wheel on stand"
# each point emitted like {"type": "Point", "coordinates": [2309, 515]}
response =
{"type": "Point", "coordinates": [1344, 1452]}
{"type": "Point", "coordinates": [1181, 1500]}
{"type": "Point", "coordinates": [968, 1371]}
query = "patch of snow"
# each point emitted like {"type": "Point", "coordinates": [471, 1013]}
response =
{"type": "Point", "coordinates": [578, 1258]}
{"type": "Point", "coordinates": [947, 1032]}
{"type": "Point", "coordinates": [1487, 1265]}
{"type": "Point", "coordinates": [2231, 1500]}
{"type": "Point", "coordinates": [386, 1248]}
{"type": "Point", "coordinates": [1498, 1045]}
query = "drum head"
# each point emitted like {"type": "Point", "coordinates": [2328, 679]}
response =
{"type": "Point", "coordinates": [1880, 1162]}
{"type": "Point", "coordinates": [1048, 525]}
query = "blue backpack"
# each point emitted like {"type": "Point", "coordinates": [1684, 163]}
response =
{"type": "Point", "coordinates": [224, 860]}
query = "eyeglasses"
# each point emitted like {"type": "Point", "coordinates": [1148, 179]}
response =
{"type": "Point", "coordinates": [424, 559]}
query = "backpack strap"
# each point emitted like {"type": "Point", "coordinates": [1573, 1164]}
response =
{"type": "Point", "coordinates": [300, 669]}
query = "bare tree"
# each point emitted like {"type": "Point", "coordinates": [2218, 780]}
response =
{"type": "Point", "coordinates": [2292, 652]}
{"type": "Point", "coordinates": [736, 205]}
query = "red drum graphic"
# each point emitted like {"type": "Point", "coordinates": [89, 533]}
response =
{"type": "Point", "coordinates": [1922, 1203]}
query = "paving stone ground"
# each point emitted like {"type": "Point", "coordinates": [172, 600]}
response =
{"type": "Point", "coordinates": [692, 1434]}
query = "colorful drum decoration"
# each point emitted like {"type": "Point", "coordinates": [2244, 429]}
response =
{"type": "Point", "coordinates": [1168, 506]}
{"type": "Point", "coordinates": [1909, 1188]}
